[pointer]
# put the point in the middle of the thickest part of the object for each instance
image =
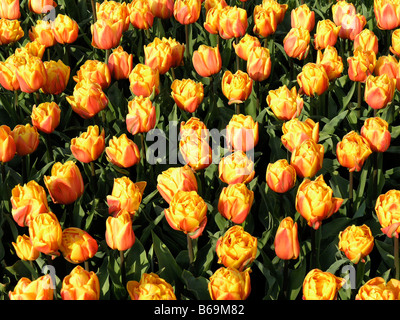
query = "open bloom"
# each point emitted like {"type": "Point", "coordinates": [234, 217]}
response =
{"type": "Point", "coordinates": [232, 22]}
{"type": "Point", "coordinates": [307, 158]}
{"type": "Point", "coordinates": [207, 60]}
{"type": "Point", "coordinates": [285, 103]}
{"type": "Point", "coordinates": [237, 86]}
{"type": "Point", "coordinates": [144, 80]}
{"type": "Point", "coordinates": [122, 151]}
{"type": "Point", "coordinates": [230, 284]}
{"type": "Point", "coordinates": [242, 133]}
{"type": "Point", "coordinates": [26, 138]}
{"type": "Point", "coordinates": [80, 285]}
{"type": "Point", "coordinates": [24, 249]}
{"type": "Point", "coordinates": [303, 17]}
{"type": "Point", "coordinates": [187, 11]}
{"type": "Point", "coordinates": [259, 63]}
{"type": "Point", "coordinates": [387, 208]}
{"type": "Point", "coordinates": [57, 77]}
{"type": "Point", "coordinates": [113, 11]}
{"type": "Point", "coordinates": [77, 245]}
{"type": "Point", "coordinates": [361, 64]}
{"type": "Point", "coordinates": [286, 241]}
{"type": "Point", "coordinates": [377, 289]}
{"type": "Point", "coordinates": [379, 91]}
{"type": "Point", "coordinates": [280, 176]}
{"type": "Point", "coordinates": [65, 29]}
{"type": "Point", "coordinates": [297, 43]}
{"type": "Point", "coordinates": [89, 145]}
{"type": "Point", "coordinates": [119, 232]}
{"type": "Point", "coordinates": [296, 131]}
{"type": "Point", "coordinates": [320, 285]}
{"type": "Point", "coordinates": [236, 168]}
{"type": "Point", "coordinates": [8, 74]}
{"type": "Point", "coordinates": [150, 287]}
{"type": "Point", "coordinates": [158, 55]}
{"type": "Point", "coordinates": [120, 63]}
{"type": "Point", "coordinates": [94, 71]}
{"type": "Point", "coordinates": [187, 94]}
{"type": "Point", "coordinates": [7, 144]}
{"type": "Point", "coordinates": [140, 15]}
{"type": "Point", "coordinates": [39, 289]}
{"type": "Point", "coordinates": [313, 79]}
{"type": "Point", "coordinates": [356, 242]}
{"type": "Point", "coordinates": [42, 32]}
{"type": "Point", "coordinates": [141, 115]}
{"type": "Point", "coordinates": [326, 34]}
{"type": "Point", "coordinates": [376, 131]}
{"type": "Point", "coordinates": [10, 31]}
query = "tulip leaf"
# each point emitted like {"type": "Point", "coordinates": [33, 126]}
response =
{"type": "Point", "coordinates": [136, 261]}
{"type": "Point", "coordinates": [198, 286]}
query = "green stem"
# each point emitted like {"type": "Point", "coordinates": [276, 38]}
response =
{"type": "Point", "coordinates": [86, 264]}
{"type": "Point", "coordinates": [285, 278]}
{"type": "Point", "coordinates": [94, 10]}
{"type": "Point", "coordinates": [187, 41]}
{"type": "Point", "coordinates": [237, 57]}
{"type": "Point", "coordinates": [360, 273]}
{"type": "Point", "coordinates": [315, 241]}
{"type": "Point", "coordinates": [107, 56]}
{"type": "Point", "coordinates": [257, 91]}
{"type": "Point", "coordinates": [122, 266]}
{"type": "Point", "coordinates": [49, 148]}
{"type": "Point", "coordinates": [396, 257]}
{"type": "Point", "coordinates": [237, 108]}
{"type": "Point", "coordinates": [190, 250]}
{"type": "Point", "coordinates": [359, 99]}
{"type": "Point", "coordinates": [143, 147]}
{"type": "Point", "coordinates": [351, 187]}
{"type": "Point", "coordinates": [3, 172]}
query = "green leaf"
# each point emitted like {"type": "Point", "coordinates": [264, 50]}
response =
{"type": "Point", "coordinates": [136, 261]}
{"type": "Point", "coordinates": [196, 285]}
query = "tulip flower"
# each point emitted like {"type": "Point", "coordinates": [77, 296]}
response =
{"type": "Point", "coordinates": [10, 31]}
{"type": "Point", "coordinates": [65, 184]}
{"type": "Point", "coordinates": [386, 14]}
{"type": "Point", "coordinates": [119, 232]}
{"type": "Point", "coordinates": [65, 29]}
{"type": "Point", "coordinates": [377, 289]}
{"type": "Point", "coordinates": [8, 72]}
{"type": "Point", "coordinates": [10, 9]}
{"type": "Point", "coordinates": [303, 17]}
{"type": "Point", "coordinates": [313, 79]}
{"type": "Point", "coordinates": [367, 40]}
{"type": "Point", "coordinates": [379, 91]}
{"type": "Point", "coordinates": [286, 241]}
{"type": "Point", "coordinates": [187, 94]}
{"type": "Point", "coordinates": [207, 60]}
{"type": "Point", "coordinates": [280, 176]}
{"type": "Point", "coordinates": [28, 201]}
{"type": "Point", "coordinates": [319, 285]}
{"type": "Point", "coordinates": [39, 289]}
{"type": "Point", "coordinates": [331, 61]}
{"type": "Point", "coordinates": [106, 34]}
{"type": "Point", "coordinates": [236, 248]}
{"type": "Point", "coordinates": [162, 9]}
{"type": "Point", "coordinates": [315, 201]}
{"type": "Point", "coordinates": [209, 4]}
{"type": "Point", "coordinates": [187, 212]}
{"type": "Point", "coordinates": [232, 22]}
{"type": "Point", "coordinates": [395, 47]}
{"type": "Point", "coordinates": [187, 11]}
{"type": "Point", "coordinates": [340, 9]}
{"type": "Point", "coordinates": [388, 65]}
{"type": "Point", "coordinates": [94, 71]}
{"type": "Point", "coordinates": [144, 80]}
{"type": "Point", "coordinates": [150, 287]}
{"type": "Point", "coordinates": [196, 152]}
{"type": "Point", "coordinates": [140, 15]}
{"type": "Point", "coordinates": [7, 144]}
{"type": "Point", "coordinates": [235, 202]}
{"type": "Point", "coordinates": [120, 64]}
{"type": "Point", "coordinates": [212, 19]}
{"type": "Point", "coordinates": [46, 116]}
{"type": "Point", "coordinates": [278, 9]}
{"type": "Point", "coordinates": [361, 64]}
{"type": "Point", "coordinates": [193, 128]}
{"type": "Point", "coordinates": [259, 64]}
{"type": "Point", "coordinates": [297, 43]}
{"type": "Point", "coordinates": [41, 6]}
{"type": "Point", "coordinates": [177, 51]}
{"type": "Point", "coordinates": [230, 284]}
{"type": "Point", "coordinates": [126, 196]}
{"type": "Point", "coordinates": [265, 21]}
{"type": "Point", "coordinates": [80, 285]}
{"type": "Point", "coordinates": [352, 25]}
{"type": "Point", "coordinates": [296, 131]}
{"type": "Point", "coordinates": [236, 168]}
{"type": "Point", "coordinates": [285, 104]}
{"type": "Point", "coordinates": [31, 75]}
{"type": "Point", "coordinates": [141, 115]}
{"type": "Point", "coordinates": [356, 242]}
{"type": "Point", "coordinates": [24, 249]}
{"type": "Point", "coordinates": [242, 133]}
{"type": "Point", "coordinates": [77, 245]}
{"type": "Point", "coordinates": [158, 55]}
{"type": "Point", "coordinates": [352, 151]}
{"type": "Point", "coordinates": [57, 77]}
{"type": "Point", "coordinates": [307, 158]}
{"type": "Point", "coordinates": [33, 48]}
{"type": "Point", "coordinates": [122, 151]}
{"type": "Point", "coordinates": [26, 138]}
{"type": "Point", "coordinates": [114, 12]}
{"type": "Point", "coordinates": [42, 32]}
{"type": "Point", "coordinates": [245, 46]}
{"type": "Point", "coordinates": [89, 145]}
{"type": "Point", "coordinates": [326, 34]}
{"type": "Point", "coordinates": [237, 86]}
{"type": "Point", "coordinates": [388, 212]}
{"type": "Point", "coordinates": [376, 131]}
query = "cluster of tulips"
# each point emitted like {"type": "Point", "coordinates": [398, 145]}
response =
{"type": "Point", "coordinates": [26, 70]}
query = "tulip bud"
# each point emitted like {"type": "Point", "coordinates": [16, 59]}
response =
{"type": "Point", "coordinates": [24, 249]}
{"type": "Point", "coordinates": [207, 60]}
{"type": "Point", "coordinates": [242, 133]}
{"type": "Point", "coordinates": [57, 77]}
{"type": "Point", "coordinates": [237, 86]}
{"type": "Point", "coordinates": [367, 40]}
{"type": "Point", "coordinates": [375, 131]}
{"type": "Point", "coordinates": [187, 94]}
{"type": "Point", "coordinates": [303, 17]}
{"type": "Point", "coordinates": [230, 284]}
{"type": "Point", "coordinates": [158, 55]}
{"type": "Point", "coordinates": [119, 232]}
{"type": "Point", "coordinates": [280, 176]}
{"type": "Point", "coordinates": [296, 131]}
{"type": "Point", "coordinates": [89, 145]}
{"type": "Point", "coordinates": [94, 71]}
{"type": "Point", "coordinates": [141, 115]}
{"type": "Point", "coordinates": [31, 75]}
{"type": "Point", "coordinates": [297, 43]}
{"type": "Point", "coordinates": [379, 91]}
{"type": "Point", "coordinates": [259, 64]}
{"type": "Point", "coordinates": [106, 34]}
{"type": "Point", "coordinates": [187, 11]}
{"type": "Point", "coordinates": [245, 46]}
{"type": "Point", "coordinates": [150, 287]}
{"type": "Point", "coordinates": [361, 64]}
{"type": "Point", "coordinates": [331, 62]}
{"type": "Point", "coordinates": [140, 15]}
{"type": "Point", "coordinates": [232, 22]}
{"type": "Point", "coordinates": [65, 184]}
{"type": "Point", "coordinates": [10, 31]}
{"type": "Point", "coordinates": [236, 168]}
{"type": "Point", "coordinates": [122, 151]}
{"type": "Point", "coordinates": [77, 245]}
{"type": "Point", "coordinates": [352, 25]}
{"type": "Point", "coordinates": [286, 241]}
{"type": "Point", "coordinates": [307, 158]}
{"type": "Point", "coordinates": [313, 79]}
{"type": "Point", "coordinates": [120, 64]}
{"type": "Point", "coordinates": [386, 14]}
{"type": "Point", "coordinates": [39, 289]}
{"type": "Point", "coordinates": [356, 242]}
{"type": "Point", "coordinates": [377, 289]}
{"type": "Point", "coordinates": [340, 9]}
{"type": "Point", "coordinates": [42, 32]}
{"type": "Point", "coordinates": [144, 80]}
{"type": "Point", "coordinates": [388, 212]}
{"type": "Point", "coordinates": [235, 202]}
{"type": "Point", "coordinates": [7, 144]}
{"type": "Point", "coordinates": [162, 9]}
{"type": "Point", "coordinates": [326, 34]}
{"type": "Point", "coordinates": [285, 104]}
{"type": "Point", "coordinates": [26, 138]}
{"type": "Point", "coordinates": [319, 285]}
{"type": "Point", "coordinates": [80, 285]}
{"type": "Point", "coordinates": [10, 9]}
{"type": "Point", "coordinates": [65, 29]}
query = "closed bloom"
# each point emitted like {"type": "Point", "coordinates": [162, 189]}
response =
{"type": "Point", "coordinates": [10, 31]}
{"type": "Point", "coordinates": [126, 195]}
{"type": "Point", "coordinates": [387, 14]}
{"type": "Point", "coordinates": [307, 158]}
{"type": "Point", "coordinates": [245, 46]}
{"type": "Point", "coordinates": [297, 43]}
{"type": "Point", "coordinates": [80, 285]}
{"type": "Point", "coordinates": [39, 289]}
{"type": "Point", "coordinates": [77, 245]}
{"type": "Point", "coordinates": [377, 289]}
{"type": "Point", "coordinates": [230, 284]}
{"type": "Point", "coordinates": [140, 15]}
{"type": "Point", "coordinates": [24, 249]}
{"type": "Point", "coordinates": [65, 184]}
{"type": "Point", "coordinates": [42, 32]}
{"type": "Point", "coordinates": [7, 144]}
{"type": "Point", "coordinates": [177, 51]}
{"type": "Point", "coordinates": [232, 22]}
{"type": "Point", "coordinates": [187, 94]}
{"type": "Point", "coordinates": [41, 6]}
{"type": "Point", "coordinates": [158, 55]}
{"type": "Point", "coordinates": [28, 201]}
{"type": "Point", "coordinates": [195, 128]}
{"type": "Point", "coordinates": [387, 208]}
{"type": "Point", "coordinates": [8, 74]}
{"type": "Point", "coordinates": [212, 19]}
{"type": "Point", "coordinates": [187, 212]}
{"type": "Point", "coordinates": [285, 104]}
{"type": "Point", "coordinates": [106, 34]}
{"type": "Point", "coordinates": [209, 4]}
{"type": "Point", "coordinates": [352, 151]}
{"type": "Point", "coordinates": [122, 151]}
{"type": "Point", "coordinates": [88, 99]}
{"type": "Point", "coordinates": [236, 168]}
{"type": "Point", "coordinates": [162, 9]}
{"type": "Point", "coordinates": [326, 34]}
{"type": "Point", "coordinates": [319, 285]}
{"type": "Point", "coordinates": [150, 287]}
{"type": "Point", "coordinates": [389, 65]}
{"type": "Point", "coordinates": [26, 138]}
{"type": "Point", "coordinates": [144, 80]}
{"type": "Point", "coordinates": [33, 48]}
{"type": "Point", "coordinates": [395, 47]}
{"type": "Point", "coordinates": [278, 9]}
{"type": "Point", "coordinates": [331, 61]}
{"type": "Point", "coordinates": [242, 133]}
{"type": "Point", "coordinates": [296, 131]}
{"type": "Point", "coordinates": [237, 86]}
{"type": "Point", "coordinates": [367, 40]}
{"type": "Point", "coordinates": [376, 131]}
{"type": "Point", "coordinates": [313, 79]}
{"type": "Point", "coordinates": [286, 241]}
{"type": "Point", "coordinates": [187, 11]}
{"type": "Point", "coordinates": [235, 202]}
{"type": "Point", "coordinates": [379, 91]}
{"type": "Point", "coordinates": [303, 17]}
{"type": "Point", "coordinates": [236, 248]}
{"type": "Point", "coordinates": [195, 151]}
{"type": "Point", "coordinates": [315, 201]}
{"type": "Point", "coordinates": [340, 9]}
{"type": "Point", "coordinates": [141, 115]}
{"type": "Point", "coordinates": [57, 77]}
{"type": "Point", "coordinates": [119, 232]}
{"type": "Point", "coordinates": [265, 21]}
{"type": "Point", "coordinates": [94, 71]}
{"type": "Point", "coordinates": [352, 25]}
{"type": "Point", "coordinates": [259, 64]}
{"type": "Point", "coordinates": [10, 9]}
{"type": "Point", "coordinates": [31, 75]}
{"type": "Point", "coordinates": [65, 29]}
{"type": "Point", "coordinates": [280, 176]}
{"type": "Point", "coordinates": [356, 242]}
{"type": "Point", "coordinates": [89, 145]}
{"type": "Point", "coordinates": [207, 60]}
{"type": "Point", "coordinates": [361, 64]}
{"type": "Point", "coordinates": [113, 11]}
{"type": "Point", "coordinates": [46, 234]}
{"type": "Point", "coordinates": [120, 64]}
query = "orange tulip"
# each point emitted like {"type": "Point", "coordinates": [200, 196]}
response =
{"type": "Point", "coordinates": [31, 75]}
{"type": "Point", "coordinates": [377, 289]}
{"type": "Point", "coordinates": [376, 132]}
{"type": "Point", "coordinates": [265, 21]}
{"type": "Point", "coordinates": [140, 15]}
{"type": "Point", "coordinates": [89, 145]}
{"type": "Point", "coordinates": [207, 60]}
{"type": "Point", "coordinates": [340, 9]}
{"type": "Point", "coordinates": [319, 285]}
{"type": "Point", "coordinates": [178, 50]}
{"type": "Point", "coordinates": [57, 77]}
{"type": "Point", "coordinates": [94, 71]}
{"type": "Point", "coordinates": [80, 285]}
{"type": "Point", "coordinates": [42, 32]}
{"type": "Point", "coordinates": [8, 72]}
{"type": "Point", "coordinates": [361, 64]}
{"type": "Point", "coordinates": [187, 94]}
{"type": "Point", "coordinates": [10, 31]}
{"type": "Point", "coordinates": [230, 284]}
{"type": "Point", "coordinates": [65, 29]}
{"type": "Point", "coordinates": [195, 151]}
{"type": "Point", "coordinates": [162, 9]}
{"type": "Point", "coordinates": [286, 241]}
{"type": "Point", "coordinates": [351, 26]}
{"type": "Point", "coordinates": [144, 80]}
{"type": "Point", "coordinates": [387, 210]}
{"type": "Point", "coordinates": [119, 232]}
{"type": "Point", "coordinates": [26, 138]}
{"type": "Point", "coordinates": [237, 86]}
{"type": "Point", "coordinates": [278, 9]}
{"type": "Point", "coordinates": [303, 17]}
{"type": "Point", "coordinates": [158, 55]}
{"type": "Point", "coordinates": [313, 79]}
{"type": "Point", "coordinates": [236, 168]}
{"type": "Point", "coordinates": [24, 249]}
{"type": "Point", "coordinates": [285, 104]}
{"type": "Point", "coordinates": [10, 9]}
{"type": "Point", "coordinates": [65, 184]}
{"type": "Point", "coordinates": [232, 22]}
{"type": "Point", "coordinates": [106, 34]}
{"type": "Point", "coordinates": [259, 64]}
{"type": "Point", "coordinates": [395, 47]}
{"type": "Point", "coordinates": [193, 128]}
{"type": "Point", "coordinates": [386, 14]}
{"type": "Point", "coordinates": [141, 115]}
{"type": "Point", "coordinates": [379, 91]}
{"type": "Point", "coordinates": [307, 158]}
{"type": "Point", "coordinates": [187, 11]}
{"type": "Point", "coordinates": [356, 242]}
{"type": "Point", "coordinates": [150, 287]}
{"type": "Point", "coordinates": [122, 151]}
{"type": "Point", "coordinates": [367, 40]}
{"type": "Point", "coordinates": [209, 4]}
{"type": "Point", "coordinates": [296, 131]}
{"type": "Point", "coordinates": [297, 43]}
{"type": "Point", "coordinates": [39, 289]}
{"type": "Point", "coordinates": [212, 19]}
{"type": "Point", "coordinates": [120, 64]}
{"type": "Point", "coordinates": [280, 176]}
{"type": "Point", "coordinates": [7, 144]}
{"type": "Point", "coordinates": [114, 12]}
{"type": "Point", "coordinates": [77, 245]}
{"type": "Point", "coordinates": [242, 133]}
{"type": "Point", "coordinates": [41, 6]}
{"type": "Point", "coordinates": [33, 48]}
{"type": "Point", "coordinates": [326, 34]}
{"type": "Point", "coordinates": [389, 65]}
{"type": "Point", "coordinates": [245, 46]}
{"type": "Point", "coordinates": [331, 61]}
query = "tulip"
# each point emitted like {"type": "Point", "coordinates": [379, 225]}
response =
{"type": "Point", "coordinates": [235, 202]}
{"type": "Point", "coordinates": [212, 19]}
{"type": "Point", "coordinates": [41, 6]}
{"type": "Point", "coordinates": [236, 168]}
{"type": "Point", "coordinates": [376, 131]}
{"type": "Point", "coordinates": [285, 104]}
{"type": "Point", "coordinates": [286, 241]}
{"type": "Point", "coordinates": [395, 47]}
{"type": "Point", "coordinates": [356, 242]}
{"type": "Point", "coordinates": [207, 60]}
{"type": "Point", "coordinates": [326, 34]}
{"type": "Point", "coordinates": [232, 22]}
{"type": "Point", "coordinates": [237, 86]}
{"type": "Point", "coordinates": [106, 34]}
{"type": "Point", "coordinates": [319, 285]}
{"type": "Point", "coordinates": [307, 158]}
{"type": "Point", "coordinates": [196, 152]}
{"type": "Point", "coordinates": [7, 144]}
{"type": "Point", "coordinates": [28, 201]}
{"type": "Point", "coordinates": [80, 285]}
{"type": "Point", "coordinates": [89, 145]}
{"type": "Point", "coordinates": [57, 77]}
{"type": "Point", "coordinates": [361, 64]}
{"type": "Point", "coordinates": [296, 131]}
{"type": "Point", "coordinates": [10, 31]}
{"type": "Point", "coordinates": [265, 21]}
{"type": "Point", "coordinates": [65, 184]}
{"type": "Point", "coordinates": [39, 289]}
{"type": "Point", "coordinates": [340, 9]}
{"type": "Point", "coordinates": [122, 151]}
{"type": "Point", "coordinates": [297, 43]}
{"type": "Point", "coordinates": [389, 65]}
{"type": "Point", "coordinates": [280, 176]}
{"type": "Point", "coordinates": [352, 151]}
{"type": "Point", "coordinates": [187, 11]}
{"type": "Point", "coordinates": [88, 99]}
{"type": "Point", "coordinates": [278, 9]}
{"type": "Point", "coordinates": [187, 212]}
{"type": "Point", "coordinates": [313, 79]}
{"type": "Point", "coordinates": [94, 71]}
{"type": "Point", "coordinates": [144, 80]}
{"type": "Point", "coordinates": [386, 14]}
{"type": "Point", "coordinates": [367, 40]}
{"type": "Point", "coordinates": [125, 196]}
{"type": "Point", "coordinates": [162, 9]}
{"type": "Point", "coordinates": [236, 248]}
{"type": "Point", "coordinates": [65, 29]}
{"type": "Point", "coordinates": [140, 15]}
{"type": "Point", "coordinates": [331, 62]}
{"type": "Point", "coordinates": [141, 116]}
{"type": "Point", "coordinates": [187, 94]}
{"type": "Point", "coordinates": [26, 138]}
{"type": "Point", "coordinates": [379, 91]}
{"type": "Point", "coordinates": [242, 133]}
{"type": "Point", "coordinates": [42, 32]}
{"type": "Point", "coordinates": [114, 12]}
{"type": "Point", "coordinates": [33, 48]}
{"type": "Point", "coordinates": [24, 249]}
{"type": "Point", "coordinates": [377, 289]}
{"type": "Point", "coordinates": [388, 212]}
{"type": "Point", "coordinates": [77, 245]}
{"type": "Point", "coordinates": [120, 64]}
{"type": "Point", "coordinates": [259, 64]}
{"type": "Point", "coordinates": [10, 9]}
{"type": "Point", "coordinates": [351, 26]}
{"type": "Point", "coordinates": [158, 55]}
{"type": "Point", "coordinates": [46, 234]}
{"type": "Point", "coordinates": [230, 284]}
{"type": "Point", "coordinates": [8, 72]}
{"type": "Point", "coordinates": [245, 46]}
{"type": "Point", "coordinates": [209, 4]}
{"type": "Point", "coordinates": [303, 17]}
{"type": "Point", "coordinates": [32, 75]}
{"type": "Point", "coordinates": [193, 128]}
{"type": "Point", "coordinates": [178, 50]}
{"type": "Point", "coordinates": [119, 232]}
{"type": "Point", "coordinates": [150, 287]}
